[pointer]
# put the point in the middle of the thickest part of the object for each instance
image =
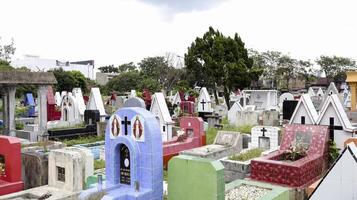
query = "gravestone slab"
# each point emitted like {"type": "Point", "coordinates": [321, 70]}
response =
{"type": "Point", "coordinates": [195, 178]}
{"type": "Point", "coordinates": [265, 137]}
{"type": "Point", "coordinates": [134, 102]}
{"type": "Point", "coordinates": [226, 143]}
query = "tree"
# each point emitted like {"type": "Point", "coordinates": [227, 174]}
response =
{"type": "Point", "coordinates": [127, 67]}
{"type": "Point", "coordinates": [108, 69]}
{"type": "Point", "coordinates": [335, 67]}
{"type": "Point", "coordinates": [220, 61]}
{"type": "Point", "coordinates": [67, 80]}
{"type": "Point", "coordinates": [6, 51]}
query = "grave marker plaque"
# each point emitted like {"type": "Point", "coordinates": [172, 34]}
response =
{"type": "Point", "coordinates": [124, 165]}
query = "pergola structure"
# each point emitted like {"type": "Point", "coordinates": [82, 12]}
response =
{"type": "Point", "coordinates": [9, 80]}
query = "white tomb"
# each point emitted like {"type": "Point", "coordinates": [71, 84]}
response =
{"type": "Point", "coordinates": [204, 103]}
{"type": "Point", "coordinates": [320, 93]}
{"type": "Point", "coordinates": [70, 110]}
{"type": "Point", "coordinates": [177, 99]}
{"type": "Point", "coordinates": [262, 99]}
{"type": "Point", "coordinates": [311, 92]}
{"type": "Point", "coordinates": [265, 137]}
{"type": "Point", "coordinates": [333, 115]}
{"type": "Point", "coordinates": [221, 110]}
{"type": "Point", "coordinates": [96, 103]}
{"type": "Point", "coordinates": [305, 112]}
{"type": "Point", "coordinates": [58, 98]}
{"type": "Point", "coordinates": [162, 114]}
{"type": "Point", "coordinates": [331, 90]}
{"type": "Point", "coordinates": [232, 113]}
{"type": "Point", "coordinates": [285, 97]}
{"type": "Point", "coordinates": [132, 93]}
{"type": "Point", "coordinates": [340, 182]}
{"type": "Point", "coordinates": [77, 93]}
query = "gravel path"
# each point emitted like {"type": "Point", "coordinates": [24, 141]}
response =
{"type": "Point", "coordinates": [246, 192]}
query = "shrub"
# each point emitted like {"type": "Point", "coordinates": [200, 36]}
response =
{"type": "Point", "coordinates": [253, 153]}
{"type": "Point", "coordinates": [99, 164]}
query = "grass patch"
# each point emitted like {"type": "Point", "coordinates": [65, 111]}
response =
{"type": "Point", "coordinates": [253, 153]}
{"type": "Point", "coordinates": [99, 164]}
{"type": "Point", "coordinates": [212, 132]}
{"type": "Point", "coordinates": [225, 120]}
{"type": "Point", "coordinates": [211, 135]}
{"type": "Point", "coordinates": [83, 140]}
{"type": "Point", "coordinates": [82, 125]}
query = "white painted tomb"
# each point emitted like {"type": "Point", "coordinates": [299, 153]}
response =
{"type": "Point", "coordinates": [204, 103]}
{"type": "Point", "coordinates": [305, 112]}
{"type": "Point", "coordinates": [265, 137]}
{"type": "Point", "coordinates": [233, 111]}
{"type": "Point", "coordinates": [262, 99]}
{"type": "Point", "coordinates": [96, 103]}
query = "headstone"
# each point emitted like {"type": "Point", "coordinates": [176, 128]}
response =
{"type": "Point", "coordinates": [10, 165]}
{"type": "Point", "coordinates": [96, 102]}
{"type": "Point", "coordinates": [333, 115]}
{"type": "Point", "coordinates": [265, 137]}
{"type": "Point", "coordinates": [204, 104]}
{"type": "Point", "coordinates": [58, 98]}
{"type": "Point", "coordinates": [226, 143]}
{"type": "Point", "coordinates": [69, 110]}
{"type": "Point", "coordinates": [195, 178]}
{"type": "Point", "coordinates": [30, 103]}
{"type": "Point", "coordinates": [341, 179]}
{"type": "Point", "coordinates": [162, 114]}
{"type": "Point", "coordinates": [262, 99]}
{"type": "Point", "coordinates": [288, 108]}
{"type": "Point", "coordinates": [133, 157]}
{"type": "Point", "coordinates": [135, 102]}
{"type": "Point", "coordinates": [305, 112]}
{"type": "Point", "coordinates": [285, 97]}
{"type": "Point", "coordinates": [232, 113]}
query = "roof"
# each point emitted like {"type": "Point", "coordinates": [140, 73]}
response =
{"type": "Point", "coordinates": [96, 102]}
{"type": "Point", "coordinates": [204, 94]}
{"type": "Point", "coordinates": [50, 97]}
{"type": "Point", "coordinates": [331, 89]}
{"type": "Point", "coordinates": [236, 107]}
{"type": "Point", "coordinates": [337, 181]}
{"type": "Point", "coordinates": [27, 78]}
{"type": "Point", "coordinates": [320, 92]}
{"type": "Point", "coordinates": [305, 101]}
{"type": "Point", "coordinates": [159, 99]}
{"type": "Point", "coordinates": [336, 104]}
{"type": "Point", "coordinates": [311, 92]}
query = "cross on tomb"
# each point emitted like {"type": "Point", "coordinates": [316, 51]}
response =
{"type": "Point", "coordinates": [332, 128]}
{"type": "Point", "coordinates": [203, 104]}
{"type": "Point", "coordinates": [263, 131]}
{"type": "Point", "coordinates": [126, 123]}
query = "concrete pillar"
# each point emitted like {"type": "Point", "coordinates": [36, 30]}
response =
{"type": "Point", "coordinates": [9, 108]}
{"type": "Point", "coordinates": [42, 109]}
{"type": "Point", "coordinates": [353, 96]}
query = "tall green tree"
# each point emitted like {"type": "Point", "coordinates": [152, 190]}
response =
{"type": "Point", "coordinates": [67, 80]}
{"type": "Point", "coordinates": [108, 69]}
{"type": "Point", "coordinates": [335, 67]}
{"type": "Point", "coordinates": [7, 50]}
{"type": "Point", "coordinates": [127, 67]}
{"type": "Point", "coordinates": [220, 61]}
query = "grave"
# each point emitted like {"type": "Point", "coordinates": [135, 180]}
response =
{"type": "Point", "coordinates": [288, 108]}
{"type": "Point", "coordinates": [162, 114]}
{"type": "Point", "coordinates": [97, 149]}
{"type": "Point", "coordinates": [341, 179]}
{"type": "Point", "coordinates": [132, 94]}
{"type": "Point", "coordinates": [320, 93]}
{"type": "Point", "coordinates": [262, 99]}
{"type": "Point", "coordinates": [331, 90]}
{"type": "Point", "coordinates": [10, 165]}
{"type": "Point", "coordinates": [265, 137]}
{"type": "Point", "coordinates": [286, 167]}
{"type": "Point", "coordinates": [192, 136]}
{"type": "Point", "coordinates": [68, 170]}
{"type": "Point", "coordinates": [77, 93]}
{"type": "Point", "coordinates": [135, 102]}
{"type": "Point", "coordinates": [58, 98]}
{"type": "Point", "coordinates": [311, 92]}
{"type": "Point", "coordinates": [204, 104]}
{"type": "Point", "coordinates": [226, 143]}
{"type": "Point", "coordinates": [30, 103]}
{"type": "Point", "coordinates": [285, 97]}
{"type": "Point", "coordinates": [221, 110]}
{"type": "Point", "coordinates": [96, 103]}
{"type": "Point", "coordinates": [70, 110]}
{"type": "Point", "coordinates": [305, 112]}
{"type": "Point", "coordinates": [178, 98]}
{"type": "Point", "coordinates": [133, 145]}
{"type": "Point", "coordinates": [232, 113]}
{"type": "Point", "coordinates": [53, 113]}
{"type": "Point", "coordinates": [333, 115]}
{"type": "Point", "coordinates": [195, 178]}
{"type": "Point", "coordinates": [91, 117]}
{"type": "Point", "coordinates": [187, 107]}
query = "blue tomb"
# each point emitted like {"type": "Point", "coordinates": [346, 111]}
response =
{"type": "Point", "coordinates": [133, 157]}
{"type": "Point", "coordinates": [30, 103]}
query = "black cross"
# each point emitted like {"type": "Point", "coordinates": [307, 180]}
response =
{"type": "Point", "coordinates": [126, 123]}
{"type": "Point", "coordinates": [203, 104]}
{"type": "Point", "coordinates": [263, 130]}
{"type": "Point", "coordinates": [332, 128]}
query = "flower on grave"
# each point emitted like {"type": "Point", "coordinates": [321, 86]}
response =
{"type": "Point", "coordinates": [298, 149]}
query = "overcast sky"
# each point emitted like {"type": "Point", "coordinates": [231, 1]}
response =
{"type": "Point", "coordinates": [118, 31]}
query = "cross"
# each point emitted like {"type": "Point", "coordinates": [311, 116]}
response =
{"type": "Point", "coordinates": [332, 128]}
{"type": "Point", "coordinates": [203, 104]}
{"type": "Point", "coordinates": [126, 123]}
{"type": "Point", "coordinates": [263, 130]}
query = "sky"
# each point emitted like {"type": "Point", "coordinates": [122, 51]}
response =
{"type": "Point", "coordinates": [120, 31]}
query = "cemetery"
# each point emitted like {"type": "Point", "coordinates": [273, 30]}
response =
{"type": "Point", "coordinates": [220, 122]}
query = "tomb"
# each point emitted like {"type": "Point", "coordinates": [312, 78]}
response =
{"type": "Point", "coordinates": [178, 98]}
{"type": "Point", "coordinates": [135, 102]}
{"type": "Point", "coordinates": [289, 108]}
{"type": "Point", "coordinates": [285, 97]}
{"type": "Point", "coordinates": [187, 107]}
{"type": "Point", "coordinates": [226, 143]}
{"type": "Point", "coordinates": [232, 113]}
{"type": "Point", "coordinates": [162, 114]}
{"type": "Point", "coordinates": [265, 137]}
{"type": "Point", "coordinates": [70, 110]}
{"type": "Point", "coordinates": [132, 94]}
{"type": "Point", "coordinates": [192, 136]}
{"type": "Point", "coordinates": [333, 115]}
{"type": "Point", "coordinates": [305, 112]}
{"type": "Point", "coordinates": [331, 90]}
{"type": "Point", "coordinates": [300, 161]}
{"type": "Point", "coordinates": [30, 103]}
{"type": "Point", "coordinates": [262, 99]}
{"type": "Point", "coordinates": [77, 93]}
{"type": "Point", "coordinates": [58, 98]}
{"type": "Point", "coordinates": [10, 165]}
{"type": "Point", "coordinates": [195, 178]}
{"type": "Point", "coordinates": [96, 103]}
{"type": "Point", "coordinates": [221, 110]}
{"type": "Point", "coordinates": [53, 112]}
{"type": "Point", "coordinates": [341, 179]}
{"type": "Point", "coordinates": [311, 92]}
{"type": "Point", "coordinates": [204, 104]}
{"type": "Point", "coordinates": [133, 157]}
{"type": "Point", "coordinates": [91, 117]}
{"type": "Point", "coordinates": [320, 93]}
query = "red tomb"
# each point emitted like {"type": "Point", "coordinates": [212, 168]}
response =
{"type": "Point", "coordinates": [194, 136]}
{"type": "Point", "coordinates": [275, 168]}
{"type": "Point", "coordinates": [10, 165]}
{"type": "Point", "coordinates": [187, 107]}
{"type": "Point", "coordinates": [53, 113]}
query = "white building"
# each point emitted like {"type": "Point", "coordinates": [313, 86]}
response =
{"type": "Point", "coordinates": [35, 63]}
